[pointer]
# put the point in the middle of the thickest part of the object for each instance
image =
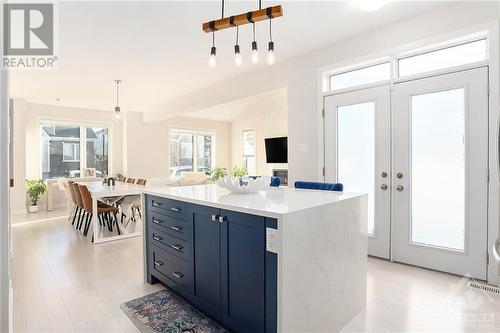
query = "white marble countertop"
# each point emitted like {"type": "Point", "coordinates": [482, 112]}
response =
{"type": "Point", "coordinates": [274, 202]}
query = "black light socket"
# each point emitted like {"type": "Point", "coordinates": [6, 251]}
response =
{"type": "Point", "coordinates": [254, 46]}
{"type": "Point", "coordinates": [271, 46]}
{"type": "Point", "coordinates": [213, 50]}
{"type": "Point", "coordinates": [236, 49]}
{"type": "Point", "coordinates": [117, 109]}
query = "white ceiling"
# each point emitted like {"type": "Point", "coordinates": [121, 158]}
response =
{"type": "Point", "coordinates": [160, 53]}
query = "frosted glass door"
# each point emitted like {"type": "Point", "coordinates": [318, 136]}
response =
{"type": "Point", "coordinates": [357, 154]}
{"type": "Point", "coordinates": [440, 180]}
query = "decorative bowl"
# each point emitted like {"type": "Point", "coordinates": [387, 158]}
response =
{"type": "Point", "coordinates": [244, 185]}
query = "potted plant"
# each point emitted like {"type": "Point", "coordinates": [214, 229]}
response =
{"type": "Point", "coordinates": [218, 173]}
{"type": "Point", "coordinates": [34, 189]}
{"type": "Point", "coordinates": [239, 171]}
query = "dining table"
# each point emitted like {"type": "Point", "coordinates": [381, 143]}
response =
{"type": "Point", "coordinates": [111, 194]}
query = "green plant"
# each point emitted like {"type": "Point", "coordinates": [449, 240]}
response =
{"type": "Point", "coordinates": [34, 189]}
{"type": "Point", "coordinates": [218, 173]}
{"type": "Point", "coordinates": [239, 171]}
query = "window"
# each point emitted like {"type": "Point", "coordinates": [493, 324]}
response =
{"type": "Point", "coordinates": [356, 77]}
{"type": "Point", "coordinates": [61, 146]}
{"type": "Point", "coordinates": [71, 152]}
{"type": "Point", "coordinates": [191, 151]}
{"type": "Point", "coordinates": [248, 151]}
{"type": "Point", "coordinates": [444, 58]}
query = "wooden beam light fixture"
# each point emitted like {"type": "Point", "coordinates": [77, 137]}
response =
{"type": "Point", "coordinates": [235, 21]}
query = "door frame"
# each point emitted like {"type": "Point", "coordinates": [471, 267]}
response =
{"type": "Point", "coordinates": [493, 64]}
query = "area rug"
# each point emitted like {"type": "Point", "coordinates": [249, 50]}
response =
{"type": "Point", "coordinates": [165, 312]}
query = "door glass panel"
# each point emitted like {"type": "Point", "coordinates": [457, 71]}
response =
{"type": "Point", "coordinates": [356, 152]}
{"type": "Point", "coordinates": [438, 169]}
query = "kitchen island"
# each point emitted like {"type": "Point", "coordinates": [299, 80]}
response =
{"type": "Point", "coordinates": [280, 260]}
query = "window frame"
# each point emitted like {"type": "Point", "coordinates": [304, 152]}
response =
{"type": "Point", "coordinates": [82, 140]}
{"type": "Point", "coordinates": [195, 133]}
{"type": "Point", "coordinates": [244, 157]}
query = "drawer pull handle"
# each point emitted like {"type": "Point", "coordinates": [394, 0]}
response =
{"type": "Point", "coordinates": [156, 204]}
{"type": "Point", "coordinates": [156, 221]}
{"type": "Point", "coordinates": [158, 263]}
{"type": "Point", "coordinates": [176, 227]}
{"type": "Point", "coordinates": [176, 247]}
{"type": "Point", "coordinates": [178, 275]}
{"type": "Point", "coordinates": [158, 238]}
{"type": "Point", "coordinates": [174, 209]}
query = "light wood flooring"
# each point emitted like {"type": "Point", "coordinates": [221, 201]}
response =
{"type": "Point", "coordinates": [62, 283]}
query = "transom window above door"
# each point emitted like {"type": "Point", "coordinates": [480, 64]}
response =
{"type": "Point", "coordinates": [467, 50]}
{"type": "Point", "coordinates": [191, 151]}
{"type": "Point", "coordinates": [67, 149]}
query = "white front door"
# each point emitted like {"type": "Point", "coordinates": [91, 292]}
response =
{"type": "Point", "coordinates": [357, 154]}
{"type": "Point", "coordinates": [440, 172]}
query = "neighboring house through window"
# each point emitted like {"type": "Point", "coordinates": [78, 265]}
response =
{"type": "Point", "coordinates": [191, 151]}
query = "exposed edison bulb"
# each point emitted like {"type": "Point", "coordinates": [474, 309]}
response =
{"type": "Point", "coordinates": [271, 58]}
{"type": "Point", "coordinates": [238, 60]}
{"type": "Point", "coordinates": [255, 53]}
{"type": "Point", "coordinates": [213, 58]}
{"type": "Point", "coordinates": [117, 115]}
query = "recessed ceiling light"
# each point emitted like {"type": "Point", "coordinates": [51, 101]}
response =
{"type": "Point", "coordinates": [371, 5]}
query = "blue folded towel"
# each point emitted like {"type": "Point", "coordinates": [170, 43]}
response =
{"type": "Point", "coordinates": [320, 186]}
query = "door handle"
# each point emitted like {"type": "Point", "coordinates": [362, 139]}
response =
{"type": "Point", "coordinates": [399, 188]}
{"type": "Point", "coordinates": [399, 175]}
{"type": "Point", "coordinates": [214, 218]}
{"type": "Point", "coordinates": [384, 187]}
{"type": "Point", "coordinates": [384, 174]}
{"type": "Point", "coordinates": [222, 219]}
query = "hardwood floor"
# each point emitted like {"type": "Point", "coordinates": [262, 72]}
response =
{"type": "Point", "coordinates": [63, 284]}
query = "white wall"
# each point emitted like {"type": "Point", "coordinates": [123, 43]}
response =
{"type": "Point", "coordinates": [269, 118]}
{"type": "Point", "coordinates": [27, 144]}
{"type": "Point", "coordinates": [147, 143]}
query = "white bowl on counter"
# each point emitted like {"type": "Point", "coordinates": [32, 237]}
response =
{"type": "Point", "coordinates": [244, 185]}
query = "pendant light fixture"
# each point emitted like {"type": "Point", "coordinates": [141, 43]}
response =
{"type": "Point", "coordinates": [255, 51]}
{"type": "Point", "coordinates": [238, 60]}
{"type": "Point", "coordinates": [213, 52]}
{"type": "Point", "coordinates": [117, 107]}
{"type": "Point", "coordinates": [241, 19]}
{"type": "Point", "coordinates": [271, 58]}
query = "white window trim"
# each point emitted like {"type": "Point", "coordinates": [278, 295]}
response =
{"type": "Point", "coordinates": [83, 138]}
{"type": "Point", "coordinates": [185, 130]}
{"type": "Point", "coordinates": [244, 156]}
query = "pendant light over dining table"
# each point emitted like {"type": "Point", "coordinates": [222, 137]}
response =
{"type": "Point", "coordinates": [236, 21]}
{"type": "Point", "coordinates": [117, 107]}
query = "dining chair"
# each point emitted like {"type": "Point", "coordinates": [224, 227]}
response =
{"type": "Point", "coordinates": [130, 180]}
{"type": "Point", "coordinates": [141, 181]}
{"type": "Point", "coordinates": [79, 202]}
{"type": "Point", "coordinates": [319, 186]}
{"type": "Point", "coordinates": [103, 212]}
{"type": "Point", "coordinates": [71, 202]}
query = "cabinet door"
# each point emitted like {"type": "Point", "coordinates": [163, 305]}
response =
{"type": "Point", "coordinates": [206, 233]}
{"type": "Point", "coordinates": [243, 271]}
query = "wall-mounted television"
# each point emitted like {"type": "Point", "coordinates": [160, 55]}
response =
{"type": "Point", "coordinates": [277, 150]}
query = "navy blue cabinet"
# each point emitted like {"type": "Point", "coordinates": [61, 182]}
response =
{"type": "Point", "coordinates": [207, 261]}
{"type": "Point", "coordinates": [216, 259]}
{"type": "Point", "coordinates": [243, 249]}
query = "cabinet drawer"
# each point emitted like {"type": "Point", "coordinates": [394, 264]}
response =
{"type": "Point", "coordinates": [177, 209]}
{"type": "Point", "coordinates": [178, 272]}
{"type": "Point", "coordinates": [171, 244]}
{"type": "Point", "coordinates": [176, 227]}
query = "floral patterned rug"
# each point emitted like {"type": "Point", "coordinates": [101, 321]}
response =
{"type": "Point", "coordinates": [164, 312]}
